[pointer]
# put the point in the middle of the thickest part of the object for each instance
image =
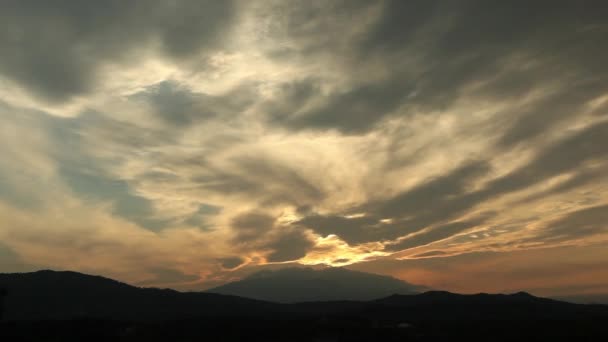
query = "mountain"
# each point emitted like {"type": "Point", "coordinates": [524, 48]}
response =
{"type": "Point", "coordinates": [46, 295]}
{"type": "Point", "coordinates": [70, 306]}
{"type": "Point", "coordinates": [292, 285]}
{"type": "Point", "coordinates": [585, 299]}
{"type": "Point", "coordinates": [65, 295]}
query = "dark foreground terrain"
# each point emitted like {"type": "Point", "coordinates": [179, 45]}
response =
{"type": "Point", "coordinates": [68, 306]}
{"type": "Point", "coordinates": [320, 329]}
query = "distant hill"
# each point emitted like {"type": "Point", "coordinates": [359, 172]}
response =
{"type": "Point", "coordinates": [50, 295]}
{"type": "Point", "coordinates": [585, 299]}
{"type": "Point", "coordinates": [292, 285]}
{"type": "Point", "coordinates": [65, 295]}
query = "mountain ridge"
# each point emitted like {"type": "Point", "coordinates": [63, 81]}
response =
{"type": "Point", "coordinates": [301, 284]}
{"type": "Point", "coordinates": [50, 295]}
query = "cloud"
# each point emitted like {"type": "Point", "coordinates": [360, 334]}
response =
{"type": "Point", "coordinates": [436, 234]}
{"type": "Point", "coordinates": [251, 226]}
{"type": "Point", "coordinates": [448, 197]}
{"type": "Point", "coordinates": [212, 138]}
{"type": "Point", "coordinates": [289, 246]}
{"type": "Point", "coordinates": [11, 262]}
{"type": "Point", "coordinates": [124, 203]}
{"type": "Point", "coordinates": [180, 106]}
{"type": "Point", "coordinates": [423, 56]}
{"type": "Point", "coordinates": [572, 226]}
{"type": "Point", "coordinates": [231, 262]}
{"type": "Point", "coordinates": [58, 51]}
{"type": "Point", "coordinates": [408, 212]}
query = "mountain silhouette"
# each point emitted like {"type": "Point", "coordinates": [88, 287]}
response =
{"type": "Point", "coordinates": [66, 295]}
{"type": "Point", "coordinates": [45, 295]}
{"type": "Point", "coordinates": [292, 285]}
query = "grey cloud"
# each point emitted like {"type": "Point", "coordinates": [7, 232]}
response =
{"type": "Point", "coordinates": [302, 22]}
{"type": "Point", "coordinates": [93, 186]}
{"type": "Point", "coordinates": [251, 226]}
{"type": "Point", "coordinates": [435, 234]}
{"type": "Point", "coordinates": [447, 197]}
{"type": "Point", "coordinates": [11, 191]}
{"type": "Point", "coordinates": [340, 261]}
{"type": "Point", "coordinates": [258, 230]}
{"type": "Point", "coordinates": [412, 210]}
{"type": "Point", "coordinates": [356, 110]}
{"type": "Point", "coordinates": [431, 254]}
{"type": "Point", "coordinates": [289, 246]}
{"type": "Point", "coordinates": [200, 217]}
{"type": "Point", "coordinates": [353, 230]}
{"type": "Point", "coordinates": [424, 198]}
{"type": "Point", "coordinates": [580, 179]}
{"type": "Point", "coordinates": [457, 44]}
{"type": "Point", "coordinates": [578, 224]}
{"type": "Point", "coordinates": [564, 156]}
{"type": "Point", "coordinates": [267, 181]}
{"type": "Point", "coordinates": [71, 139]}
{"type": "Point", "coordinates": [294, 188]}
{"type": "Point", "coordinates": [538, 117]}
{"type": "Point", "coordinates": [179, 106]}
{"type": "Point", "coordinates": [231, 262]}
{"type": "Point", "coordinates": [55, 49]}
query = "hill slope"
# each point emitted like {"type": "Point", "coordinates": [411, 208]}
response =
{"type": "Point", "coordinates": [66, 295]}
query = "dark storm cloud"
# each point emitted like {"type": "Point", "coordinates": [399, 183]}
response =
{"type": "Point", "coordinates": [55, 49]}
{"type": "Point", "coordinates": [507, 49]}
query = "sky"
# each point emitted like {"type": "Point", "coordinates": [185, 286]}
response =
{"type": "Point", "coordinates": [461, 145]}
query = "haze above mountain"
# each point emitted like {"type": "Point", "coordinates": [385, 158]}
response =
{"type": "Point", "coordinates": [292, 285]}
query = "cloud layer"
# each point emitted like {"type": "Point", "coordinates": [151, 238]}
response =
{"type": "Point", "coordinates": [183, 143]}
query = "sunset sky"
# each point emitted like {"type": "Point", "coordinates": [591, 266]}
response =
{"type": "Point", "coordinates": [461, 145]}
